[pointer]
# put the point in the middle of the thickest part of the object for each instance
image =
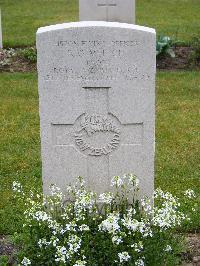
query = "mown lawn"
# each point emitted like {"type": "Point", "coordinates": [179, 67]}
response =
{"type": "Point", "coordinates": [177, 138]}
{"type": "Point", "coordinates": [21, 18]}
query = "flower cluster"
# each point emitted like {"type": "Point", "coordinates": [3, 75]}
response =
{"type": "Point", "coordinates": [6, 56]}
{"type": "Point", "coordinates": [82, 228]}
{"type": "Point", "coordinates": [190, 193]}
{"type": "Point", "coordinates": [17, 187]}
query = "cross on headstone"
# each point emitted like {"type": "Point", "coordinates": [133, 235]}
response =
{"type": "Point", "coordinates": [107, 4]}
{"type": "Point", "coordinates": [107, 10]}
{"type": "Point", "coordinates": [97, 134]}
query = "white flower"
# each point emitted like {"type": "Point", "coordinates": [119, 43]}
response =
{"type": "Point", "coordinates": [139, 262]}
{"type": "Point", "coordinates": [110, 224]}
{"type": "Point", "coordinates": [56, 193]}
{"type": "Point", "coordinates": [145, 229]}
{"type": "Point", "coordinates": [116, 181]}
{"type": "Point", "coordinates": [117, 240]}
{"type": "Point", "coordinates": [54, 189]}
{"type": "Point", "coordinates": [147, 205]}
{"type": "Point", "coordinates": [84, 201]}
{"type": "Point", "coordinates": [124, 256]}
{"type": "Point", "coordinates": [74, 244]}
{"type": "Point", "coordinates": [54, 241]}
{"type": "Point", "coordinates": [168, 248]}
{"type": "Point", "coordinates": [138, 246]}
{"type": "Point", "coordinates": [168, 215]}
{"type": "Point", "coordinates": [133, 180]}
{"type": "Point", "coordinates": [80, 263]}
{"type": "Point", "coordinates": [190, 193]}
{"type": "Point", "coordinates": [43, 242]}
{"type": "Point", "coordinates": [130, 212]}
{"type": "Point", "coordinates": [130, 224]}
{"type": "Point", "coordinates": [61, 254]}
{"type": "Point", "coordinates": [63, 250]}
{"type": "Point", "coordinates": [70, 227]}
{"type": "Point", "coordinates": [17, 187]}
{"type": "Point", "coordinates": [84, 227]}
{"type": "Point", "coordinates": [69, 189]}
{"type": "Point", "coordinates": [41, 216]}
{"type": "Point", "coordinates": [106, 197]}
{"type": "Point", "coordinates": [26, 261]}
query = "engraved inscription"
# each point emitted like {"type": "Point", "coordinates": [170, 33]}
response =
{"type": "Point", "coordinates": [91, 61]}
{"type": "Point", "coordinates": [97, 135]}
{"type": "Point", "coordinates": [86, 48]}
{"type": "Point", "coordinates": [97, 43]}
{"type": "Point", "coordinates": [96, 71]}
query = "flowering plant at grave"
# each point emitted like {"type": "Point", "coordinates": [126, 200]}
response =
{"type": "Point", "coordinates": [113, 229]}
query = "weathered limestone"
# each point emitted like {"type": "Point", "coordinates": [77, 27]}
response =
{"type": "Point", "coordinates": [107, 10]}
{"type": "Point", "coordinates": [97, 103]}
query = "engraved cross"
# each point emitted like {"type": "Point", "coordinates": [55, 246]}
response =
{"type": "Point", "coordinates": [107, 4]}
{"type": "Point", "coordinates": [97, 134]}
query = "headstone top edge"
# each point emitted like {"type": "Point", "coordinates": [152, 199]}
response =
{"type": "Point", "coordinates": [82, 24]}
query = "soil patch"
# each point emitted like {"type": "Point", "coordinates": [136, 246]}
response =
{"type": "Point", "coordinates": [192, 255]}
{"type": "Point", "coordinates": [12, 60]}
{"type": "Point", "coordinates": [7, 249]}
{"type": "Point", "coordinates": [182, 60]}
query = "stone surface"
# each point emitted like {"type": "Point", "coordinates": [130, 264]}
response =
{"type": "Point", "coordinates": [1, 41]}
{"type": "Point", "coordinates": [107, 10]}
{"type": "Point", "coordinates": [97, 103]}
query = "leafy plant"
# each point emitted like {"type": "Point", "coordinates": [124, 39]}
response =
{"type": "Point", "coordinates": [30, 54]}
{"type": "Point", "coordinates": [4, 260]}
{"type": "Point", "coordinates": [116, 228]}
{"type": "Point", "coordinates": [164, 46]}
{"type": "Point", "coordinates": [191, 205]}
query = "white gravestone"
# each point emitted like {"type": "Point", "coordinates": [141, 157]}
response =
{"type": "Point", "coordinates": [97, 103]}
{"type": "Point", "coordinates": [107, 10]}
{"type": "Point", "coordinates": [1, 41]}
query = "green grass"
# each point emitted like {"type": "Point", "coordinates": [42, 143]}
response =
{"type": "Point", "coordinates": [19, 142]}
{"type": "Point", "coordinates": [177, 138]}
{"type": "Point", "coordinates": [178, 131]}
{"type": "Point", "coordinates": [174, 18]}
{"type": "Point", "coordinates": [21, 18]}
